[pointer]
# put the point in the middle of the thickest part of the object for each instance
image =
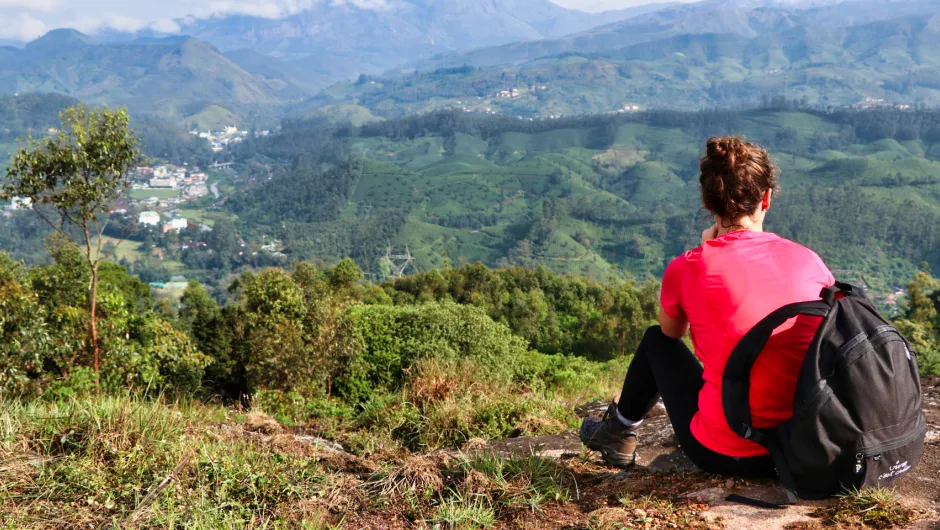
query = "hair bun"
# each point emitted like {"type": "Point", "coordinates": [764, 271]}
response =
{"type": "Point", "coordinates": [735, 174]}
{"type": "Point", "coordinates": [727, 151]}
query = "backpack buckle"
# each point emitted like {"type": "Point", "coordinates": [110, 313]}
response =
{"type": "Point", "coordinates": [749, 433]}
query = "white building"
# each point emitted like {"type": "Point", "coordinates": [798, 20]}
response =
{"type": "Point", "coordinates": [176, 224]}
{"type": "Point", "coordinates": [21, 203]}
{"type": "Point", "coordinates": [148, 218]}
{"type": "Point", "coordinates": [168, 182]}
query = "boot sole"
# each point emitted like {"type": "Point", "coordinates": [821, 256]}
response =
{"type": "Point", "coordinates": [618, 459]}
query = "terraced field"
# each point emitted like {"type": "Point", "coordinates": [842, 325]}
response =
{"type": "Point", "coordinates": [615, 197]}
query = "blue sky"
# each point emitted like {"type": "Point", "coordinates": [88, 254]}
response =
{"type": "Point", "coordinates": [28, 19]}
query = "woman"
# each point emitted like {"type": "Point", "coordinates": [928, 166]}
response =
{"type": "Point", "coordinates": [718, 292]}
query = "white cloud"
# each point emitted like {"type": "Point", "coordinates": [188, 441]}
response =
{"type": "Point", "coordinates": [274, 8]}
{"type": "Point", "coordinates": [24, 27]}
{"type": "Point", "coordinates": [32, 5]}
{"type": "Point", "coordinates": [88, 24]}
{"type": "Point", "coordinates": [165, 25]}
{"type": "Point", "coordinates": [28, 19]}
{"type": "Point", "coordinates": [595, 6]}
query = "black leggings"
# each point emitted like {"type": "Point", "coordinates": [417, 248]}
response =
{"type": "Point", "coordinates": [665, 366]}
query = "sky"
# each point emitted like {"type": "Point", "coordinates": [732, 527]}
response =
{"type": "Point", "coordinates": [24, 20]}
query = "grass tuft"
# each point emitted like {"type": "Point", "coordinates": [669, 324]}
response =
{"type": "Point", "coordinates": [464, 513]}
{"type": "Point", "coordinates": [420, 475]}
{"type": "Point", "coordinates": [528, 482]}
{"type": "Point", "coordinates": [877, 508]}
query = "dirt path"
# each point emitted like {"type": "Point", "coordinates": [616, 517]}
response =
{"type": "Point", "coordinates": [663, 470]}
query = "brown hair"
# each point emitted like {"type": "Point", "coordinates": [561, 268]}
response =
{"type": "Point", "coordinates": [735, 175]}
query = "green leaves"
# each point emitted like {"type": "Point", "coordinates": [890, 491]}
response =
{"type": "Point", "coordinates": [921, 323]}
{"type": "Point", "coordinates": [79, 172]}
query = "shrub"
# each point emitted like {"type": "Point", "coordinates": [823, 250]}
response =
{"type": "Point", "coordinates": [394, 338]}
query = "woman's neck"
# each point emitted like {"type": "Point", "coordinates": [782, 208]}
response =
{"type": "Point", "coordinates": [726, 226]}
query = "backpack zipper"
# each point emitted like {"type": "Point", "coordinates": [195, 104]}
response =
{"type": "Point", "coordinates": [850, 345]}
{"type": "Point", "coordinates": [847, 352]}
{"type": "Point", "coordinates": [877, 450]}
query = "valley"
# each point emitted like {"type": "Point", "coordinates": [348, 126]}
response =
{"type": "Point", "coordinates": [348, 264]}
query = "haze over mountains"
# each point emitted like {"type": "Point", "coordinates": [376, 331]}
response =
{"type": "Point", "coordinates": [172, 77]}
{"type": "Point", "coordinates": [745, 18]}
{"type": "Point", "coordinates": [727, 53]}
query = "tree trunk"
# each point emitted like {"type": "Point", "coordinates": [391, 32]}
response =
{"type": "Point", "coordinates": [93, 324]}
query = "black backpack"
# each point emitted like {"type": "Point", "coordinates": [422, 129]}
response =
{"type": "Point", "coordinates": [857, 417]}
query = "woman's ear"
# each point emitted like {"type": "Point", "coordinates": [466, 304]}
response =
{"type": "Point", "coordinates": [765, 203]}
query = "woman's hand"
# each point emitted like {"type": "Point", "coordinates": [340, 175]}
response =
{"type": "Point", "coordinates": [710, 233]}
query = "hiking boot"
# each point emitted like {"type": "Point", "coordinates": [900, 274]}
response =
{"type": "Point", "coordinates": [615, 441]}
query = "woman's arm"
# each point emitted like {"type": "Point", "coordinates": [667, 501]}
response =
{"type": "Point", "coordinates": [674, 328]}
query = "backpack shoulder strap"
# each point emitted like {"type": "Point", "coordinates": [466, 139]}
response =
{"type": "Point", "coordinates": [736, 379]}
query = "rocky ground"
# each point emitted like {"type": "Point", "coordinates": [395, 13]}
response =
{"type": "Point", "coordinates": [664, 472]}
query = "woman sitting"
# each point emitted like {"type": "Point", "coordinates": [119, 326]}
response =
{"type": "Point", "coordinates": [718, 292]}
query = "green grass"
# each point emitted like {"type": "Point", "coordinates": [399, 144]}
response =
{"type": "Point", "coordinates": [871, 508]}
{"type": "Point", "coordinates": [344, 113]}
{"type": "Point", "coordinates": [212, 118]}
{"type": "Point", "coordinates": [153, 462]}
{"type": "Point", "coordinates": [101, 461]}
{"type": "Point", "coordinates": [129, 250]}
{"type": "Point", "coordinates": [159, 194]}
{"type": "Point", "coordinates": [206, 217]}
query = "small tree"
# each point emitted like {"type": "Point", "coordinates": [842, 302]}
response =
{"type": "Point", "coordinates": [73, 179]}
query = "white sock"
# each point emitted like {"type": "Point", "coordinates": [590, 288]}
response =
{"type": "Point", "coordinates": [630, 424]}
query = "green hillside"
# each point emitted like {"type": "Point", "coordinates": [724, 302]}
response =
{"type": "Point", "coordinates": [35, 115]}
{"type": "Point", "coordinates": [176, 78]}
{"type": "Point", "coordinates": [602, 196]}
{"type": "Point", "coordinates": [890, 62]}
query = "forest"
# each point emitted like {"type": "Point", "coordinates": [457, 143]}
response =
{"type": "Point", "coordinates": [603, 196]}
{"type": "Point", "coordinates": [612, 196]}
{"type": "Point", "coordinates": [325, 331]}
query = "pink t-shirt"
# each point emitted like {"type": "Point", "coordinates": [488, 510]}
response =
{"type": "Point", "coordinates": [727, 286]}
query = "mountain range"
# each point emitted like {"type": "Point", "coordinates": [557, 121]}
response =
{"type": "Point", "coordinates": [752, 19]}
{"type": "Point", "coordinates": [471, 54]}
{"type": "Point", "coordinates": [336, 40]}
{"type": "Point", "coordinates": [180, 78]}
{"type": "Point", "coordinates": [686, 57]}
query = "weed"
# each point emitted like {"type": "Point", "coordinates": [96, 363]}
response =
{"type": "Point", "coordinates": [528, 482]}
{"type": "Point", "coordinates": [418, 474]}
{"type": "Point", "coordinates": [464, 513]}
{"type": "Point", "coordinates": [869, 508]}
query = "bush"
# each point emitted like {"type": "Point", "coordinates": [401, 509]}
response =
{"type": "Point", "coordinates": [394, 338]}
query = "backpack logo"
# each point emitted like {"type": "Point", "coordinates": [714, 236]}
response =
{"type": "Point", "coordinates": [899, 468]}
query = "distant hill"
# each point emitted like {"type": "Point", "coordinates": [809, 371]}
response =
{"type": "Point", "coordinates": [766, 54]}
{"type": "Point", "coordinates": [289, 75]}
{"type": "Point", "coordinates": [175, 78]}
{"type": "Point", "coordinates": [28, 114]}
{"type": "Point", "coordinates": [752, 19]}
{"type": "Point", "coordinates": [339, 40]}
{"type": "Point", "coordinates": [34, 114]}
{"type": "Point", "coordinates": [597, 195]}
